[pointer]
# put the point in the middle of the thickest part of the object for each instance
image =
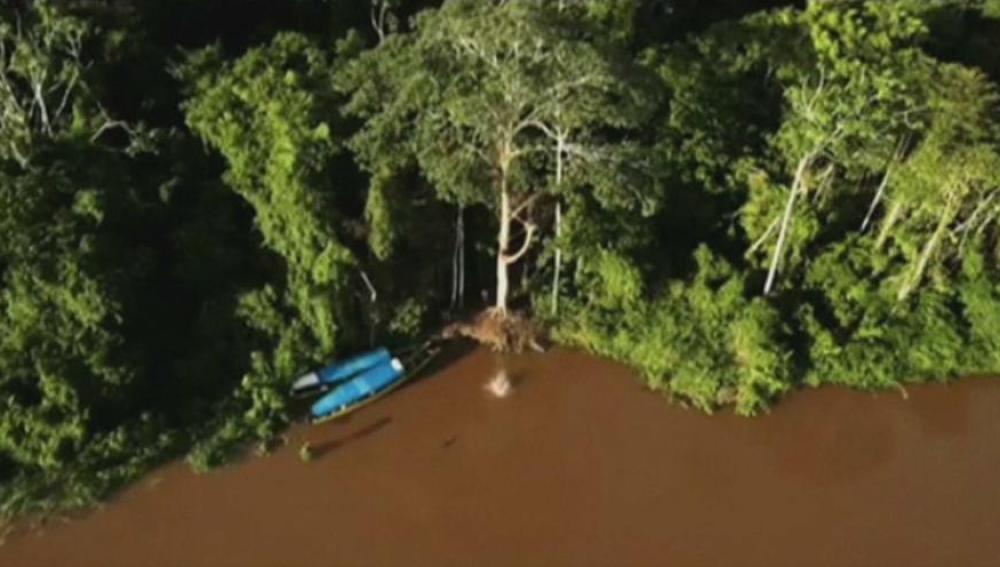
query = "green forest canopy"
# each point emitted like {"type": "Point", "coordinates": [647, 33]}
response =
{"type": "Point", "coordinates": [737, 198]}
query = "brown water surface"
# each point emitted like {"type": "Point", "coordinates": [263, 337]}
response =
{"type": "Point", "coordinates": [581, 466]}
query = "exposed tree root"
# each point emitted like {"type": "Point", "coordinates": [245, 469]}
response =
{"type": "Point", "coordinates": [509, 331]}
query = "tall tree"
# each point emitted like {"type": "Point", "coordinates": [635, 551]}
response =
{"type": "Point", "coordinates": [479, 95]}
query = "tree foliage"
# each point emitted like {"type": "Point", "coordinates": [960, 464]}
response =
{"type": "Point", "coordinates": [846, 169]}
{"type": "Point", "coordinates": [272, 116]}
{"type": "Point", "coordinates": [488, 101]}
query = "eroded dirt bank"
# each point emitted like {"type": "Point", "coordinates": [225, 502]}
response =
{"type": "Point", "coordinates": [580, 467]}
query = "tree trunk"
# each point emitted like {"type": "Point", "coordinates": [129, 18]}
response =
{"type": "Point", "coordinates": [458, 262]}
{"type": "Point", "coordinates": [558, 267]}
{"type": "Point", "coordinates": [887, 224]}
{"type": "Point", "coordinates": [558, 258]}
{"type": "Point", "coordinates": [503, 241]}
{"type": "Point", "coordinates": [918, 273]}
{"type": "Point", "coordinates": [461, 259]}
{"type": "Point", "coordinates": [877, 200]}
{"type": "Point", "coordinates": [786, 221]}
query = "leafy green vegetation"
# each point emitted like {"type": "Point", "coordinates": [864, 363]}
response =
{"type": "Point", "coordinates": [703, 340]}
{"type": "Point", "coordinates": [737, 198]}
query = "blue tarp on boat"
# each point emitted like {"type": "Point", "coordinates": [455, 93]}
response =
{"type": "Point", "coordinates": [357, 390]}
{"type": "Point", "coordinates": [340, 371]}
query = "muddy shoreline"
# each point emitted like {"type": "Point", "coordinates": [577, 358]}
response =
{"type": "Point", "coordinates": [581, 466]}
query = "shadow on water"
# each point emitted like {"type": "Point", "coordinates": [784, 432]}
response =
{"type": "Point", "coordinates": [323, 449]}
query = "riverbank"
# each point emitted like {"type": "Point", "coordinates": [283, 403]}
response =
{"type": "Point", "coordinates": [581, 466]}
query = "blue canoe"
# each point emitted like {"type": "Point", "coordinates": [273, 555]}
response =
{"type": "Point", "coordinates": [369, 386]}
{"type": "Point", "coordinates": [340, 371]}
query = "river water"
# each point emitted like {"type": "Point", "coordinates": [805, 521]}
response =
{"type": "Point", "coordinates": [580, 466]}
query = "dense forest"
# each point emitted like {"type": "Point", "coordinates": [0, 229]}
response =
{"type": "Point", "coordinates": [735, 197]}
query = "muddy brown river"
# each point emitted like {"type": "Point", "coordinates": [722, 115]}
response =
{"type": "Point", "coordinates": [581, 466]}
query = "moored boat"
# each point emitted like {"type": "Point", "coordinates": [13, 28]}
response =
{"type": "Point", "coordinates": [329, 376]}
{"type": "Point", "coordinates": [369, 385]}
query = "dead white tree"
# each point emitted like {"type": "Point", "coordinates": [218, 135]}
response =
{"type": "Point", "coordinates": [40, 74]}
{"type": "Point", "coordinates": [917, 274]}
{"type": "Point", "coordinates": [799, 185]}
{"type": "Point", "coordinates": [880, 192]}
{"type": "Point", "coordinates": [380, 18]}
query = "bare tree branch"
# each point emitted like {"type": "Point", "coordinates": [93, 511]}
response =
{"type": "Point", "coordinates": [528, 237]}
